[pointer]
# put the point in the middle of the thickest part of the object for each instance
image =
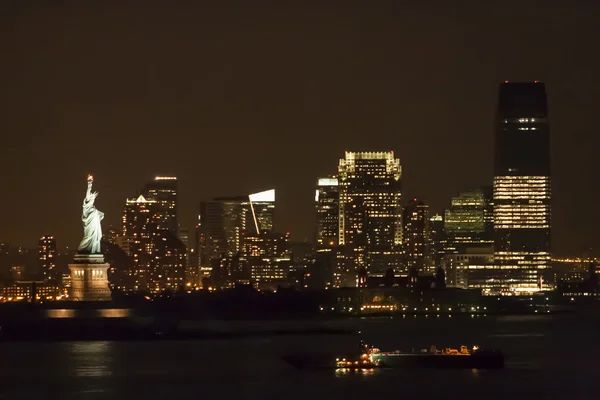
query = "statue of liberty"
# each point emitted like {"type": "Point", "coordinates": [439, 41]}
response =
{"type": "Point", "coordinates": [91, 217]}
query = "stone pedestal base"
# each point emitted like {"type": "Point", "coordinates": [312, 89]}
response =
{"type": "Point", "coordinates": [89, 279]}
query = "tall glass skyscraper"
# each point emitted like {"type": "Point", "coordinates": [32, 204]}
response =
{"type": "Point", "coordinates": [370, 217]}
{"type": "Point", "coordinates": [522, 192]}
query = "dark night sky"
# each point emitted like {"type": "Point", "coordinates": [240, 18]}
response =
{"type": "Point", "coordinates": [239, 98]}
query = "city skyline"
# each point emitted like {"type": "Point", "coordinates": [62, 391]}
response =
{"type": "Point", "coordinates": [299, 199]}
{"type": "Point", "coordinates": [360, 97]}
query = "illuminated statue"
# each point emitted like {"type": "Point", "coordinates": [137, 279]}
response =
{"type": "Point", "coordinates": [91, 217]}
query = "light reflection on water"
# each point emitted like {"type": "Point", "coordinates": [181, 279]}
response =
{"type": "Point", "coordinates": [89, 359]}
{"type": "Point", "coordinates": [353, 372]}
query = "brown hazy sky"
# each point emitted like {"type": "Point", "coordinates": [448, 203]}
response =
{"type": "Point", "coordinates": [235, 97]}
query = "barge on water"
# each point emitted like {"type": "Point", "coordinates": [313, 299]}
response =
{"type": "Point", "coordinates": [434, 358]}
{"type": "Point", "coordinates": [371, 357]}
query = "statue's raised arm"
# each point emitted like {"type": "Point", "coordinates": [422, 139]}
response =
{"type": "Point", "coordinates": [90, 181]}
{"type": "Point", "coordinates": [91, 217]}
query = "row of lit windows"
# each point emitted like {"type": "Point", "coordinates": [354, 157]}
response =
{"type": "Point", "coordinates": [523, 120]}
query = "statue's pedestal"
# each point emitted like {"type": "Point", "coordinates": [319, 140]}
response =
{"type": "Point", "coordinates": [89, 278]}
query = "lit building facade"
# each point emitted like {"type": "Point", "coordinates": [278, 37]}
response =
{"type": "Point", "coordinates": [169, 267]}
{"type": "Point", "coordinates": [26, 290]}
{"type": "Point", "coordinates": [417, 238]}
{"type": "Point", "coordinates": [469, 220]}
{"type": "Point", "coordinates": [224, 220]}
{"type": "Point", "coordinates": [159, 257]}
{"type": "Point", "coordinates": [47, 257]}
{"type": "Point", "coordinates": [163, 191]}
{"type": "Point", "coordinates": [223, 223]}
{"type": "Point", "coordinates": [468, 252]}
{"type": "Point", "coordinates": [327, 202]}
{"type": "Point", "coordinates": [140, 227]}
{"type": "Point", "coordinates": [522, 190]}
{"type": "Point", "coordinates": [262, 211]}
{"type": "Point", "coordinates": [437, 238]}
{"type": "Point", "coordinates": [370, 230]}
{"type": "Point", "coordinates": [267, 258]}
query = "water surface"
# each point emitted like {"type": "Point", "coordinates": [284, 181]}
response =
{"type": "Point", "coordinates": [552, 357]}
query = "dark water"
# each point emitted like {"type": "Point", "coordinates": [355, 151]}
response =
{"type": "Point", "coordinates": [552, 357]}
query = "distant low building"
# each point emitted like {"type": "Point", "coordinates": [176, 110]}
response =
{"type": "Point", "coordinates": [403, 299]}
{"type": "Point", "coordinates": [28, 290]}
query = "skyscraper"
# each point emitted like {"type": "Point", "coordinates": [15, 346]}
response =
{"type": "Point", "coordinates": [159, 257]}
{"type": "Point", "coordinates": [223, 222]}
{"type": "Point", "coordinates": [327, 203]}
{"type": "Point", "coordinates": [468, 220]}
{"type": "Point", "coordinates": [468, 249]}
{"type": "Point", "coordinates": [47, 257]}
{"type": "Point", "coordinates": [262, 210]}
{"type": "Point", "coordinates": [417, 239]}
{"type": "Point", "coordinates": [163, 190]}
{"type": "Point", "coordinates": [139, 227]}
{"type": "Point", "coordinates": [437, 238]}
{"type": "Point", "coordinates": [370, 231]}
{"type": "Point", "coordinates": [522, 192]}
{"type": "Point", "coordinates": [327, 200]}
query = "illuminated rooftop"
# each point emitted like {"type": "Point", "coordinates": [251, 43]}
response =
{"type": "Point", "coordinates": [140, 199]}
{"type": "Point", "coordinates": [370, 155]}
{"type": "Point", "coordinates": [349, 162]}
{"type": "Point", "coordinates": [165, 178]}
{"type": "Point", "coordinates": [327, 182]}
{"type": "Point", "coordinates": [267, 195]}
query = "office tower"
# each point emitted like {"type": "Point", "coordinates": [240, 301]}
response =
{"type": "Point", "coordinates": [468, 219]}
{"type": "Point", "coordinates": [210, 232]}
{"type": "Point", "coordinates": [223, 222]}
{"type": "Point", "coordinates": [158, 255]}
{"type": "Point", "coordinates": [468, 249]}
{"type": "Point", "coordinates": [262, 210]}
{"type": "Point", "coordinates": [416, 234]}
{"type": "Point", "coordinates": [327, 203]}
{"type": "Point", "coordinates": [47, 257]}
{"type": "Point", "coordinates": [163, 190]}
{"type": "Point", "coordinates": [168, 270]}
{"type": "Point", "coordinates": [437, 238]}
{"type": "Point", "coordinates": [140, 225]}
{"type": "Point", "coordinates": [204, 252]}
{"type": "Point", "coordinates": [370, 231]}
{"type": "Point", "coordinates": [522, 193]}
{"type": "Point", "coordinates": [327, 199]}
